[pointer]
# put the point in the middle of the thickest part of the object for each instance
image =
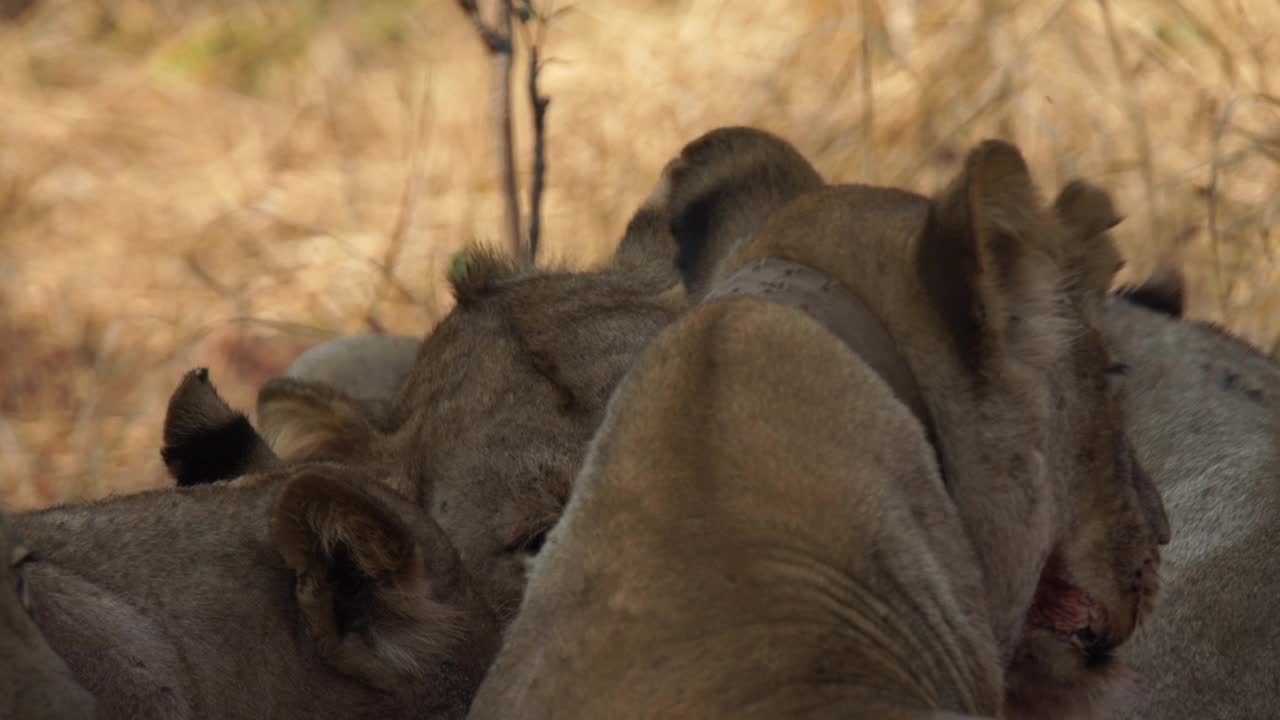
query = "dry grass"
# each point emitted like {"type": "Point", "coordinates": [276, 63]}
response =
{"type": "Point", "coordinates": [222, 183]}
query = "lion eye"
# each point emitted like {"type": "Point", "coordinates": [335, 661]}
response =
{"type": "Point", "coordinates": [528, 543]}
{"type": "Point", "coordinates": [1116, 374]}
{"type": "Point", "coordinates": [1117, 368]}
{"type": "Point", "coordinates": [533, 545]}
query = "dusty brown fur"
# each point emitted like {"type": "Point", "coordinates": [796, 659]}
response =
{"type": "Point", "coordinates": [307, 420]}
{"type": "Point", "coordinates": [716, 192]}
{"type": "Point", "coordinates": [491, 424]}
{"type": "Point", "coordinates": [1092, 258]}
{"type": "Point", "coordinates": [35, 683]}
{"type": "Point", "coordinates": [1029, 371]}
{"type": "Point", "coordinates": [202, 602]}
{"type": "Point", "coordinates": [1204, 414]}
{"type": "Point", "coordinates": [344, 388]}
{"type": "Point", "coordinates": [759, 531]}
{"type": "Point", "coordinates": [1004, 291]}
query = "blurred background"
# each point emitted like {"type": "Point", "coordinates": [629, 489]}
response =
{"type": "Point", "coordinates": [226, 182]}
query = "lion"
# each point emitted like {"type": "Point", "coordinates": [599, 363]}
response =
{"type": "Point", "coordinates": [297, 590]}
{"type": "Point", "coordinates": [760, 530]}
{"type": "Point", "coordinates": [1065, 522]}
{"type": "Point", "coordinates": [488, 429]}
{"type": "Point", "coordinates": [770, 525]}
{"type": "Point", "coordinates": [1197, 398]}
{"type": "Point", "coordinates": [1202, 412]}
{"type": "Point", "coordinates": [507, 390]}
{"type": "Point", "coordinates": [335, 399]}
{"type": "Point", "coordinates": [35, 683]}
{"type": "Point", "coordinates": [369, 369]}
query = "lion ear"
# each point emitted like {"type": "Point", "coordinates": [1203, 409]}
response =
{"type": "Point", "coordinates": [1091, 257]}
{"type": "Point", "coordinates": [647, 254]}
{"type": "Point", "coordinates": [648, 248]}
{"type": "Point", "coordinates": [303, 420]}
{"type": "Point", "coordinates": [983, 261]}
{"type": "Point", "coordinates": [713, 195]}
{"type": "Point", "coordinates": [380, 588]}
{"type": "Point", "coordinates": [205, 440]}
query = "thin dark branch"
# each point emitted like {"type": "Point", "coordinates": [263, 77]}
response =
{"type": "Point", "coordinates": [502, 66]}
{"type": "Point", "coordinates": [868, 95]}
{"type": "Point", "coordinates": [493, 39]}
{"type": "Point", "coordinates": [498, 40]}
{"type": "Point", "coordinates": [197, 268]}
{"type": "Point", "coordinates": [538, 103]}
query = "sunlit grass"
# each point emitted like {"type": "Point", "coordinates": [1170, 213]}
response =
{"type": "Point", "coordinates": [222, 184]}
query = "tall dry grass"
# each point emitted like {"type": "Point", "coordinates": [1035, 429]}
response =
{"type": "Point", "coordinates": [222, 183]}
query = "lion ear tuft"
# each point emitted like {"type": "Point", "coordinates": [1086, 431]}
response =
{"type": "Point", "coordinates": [477, 272]}
{"type": "Point", "coordinates": [458, 267]}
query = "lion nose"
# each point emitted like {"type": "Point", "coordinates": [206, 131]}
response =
{"type": "Point", "coordinates": [1098, 649]}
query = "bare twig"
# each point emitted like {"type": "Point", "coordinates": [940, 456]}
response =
{"type": "Point", "coordinates": [868, 95]}
{"type": "Point", "coordinates": [538, 103]}
{"type": "Point", "coordinates": [493, 39]}
{"type": "Point", "coordinates": [497, 40]}
{"type": "Point", "coordinates": [197, 268]}
{"type": "Point", "coordinates": [502, 63]}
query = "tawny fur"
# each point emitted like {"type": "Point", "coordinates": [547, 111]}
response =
{"type": "Point", "coordinates": [1040, 468]}
{"type": "Point", "coordinates": [723, 185]}
{"type": "Point", "coordinates": [491, 423]}
{"type": "Point", "coordinates": [491, 426]}
{"type": "Point", "coordinates": [35, 682]}
{"type": "Point", "coordinates": [759, 531]}
{"type": "Point", "coordinates": [344, 387]}
{"type": "Point", "coordinates": [1203, 409]}
{"type": "Point", "coordinates": [309, 420]}
{"type": "Point", "coordinates": [1198, 408]}
{"type": "Point", "coordinates": [199, 602]}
